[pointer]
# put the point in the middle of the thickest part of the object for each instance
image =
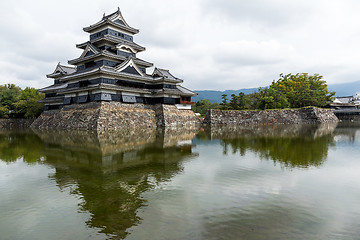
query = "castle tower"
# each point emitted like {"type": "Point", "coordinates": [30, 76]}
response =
{"type": "Point", "coordinates": [109, 70]}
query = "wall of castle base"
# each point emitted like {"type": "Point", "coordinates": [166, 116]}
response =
{"type": "Point", "coordinates": [285, 116]}
{"type": "Point", "coordinates": [15, 123]}
{"type": "Point", "coordinates": [104, 116]}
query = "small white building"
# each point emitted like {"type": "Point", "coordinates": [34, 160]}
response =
{"type": "Point", "coordinates": [346, 102]}
{"type": "Point", "coordinates": [357, 100]}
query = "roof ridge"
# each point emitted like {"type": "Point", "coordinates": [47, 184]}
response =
{"type": "Point", "coordinates": [111, 14]}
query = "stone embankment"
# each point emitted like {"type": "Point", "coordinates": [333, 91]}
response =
{"type": "Point", "coordinates": [103, 116]}
{"type": "Point", "coordinates": [285, 116]}
{"type": "Point", "coordinates": [15, 123]}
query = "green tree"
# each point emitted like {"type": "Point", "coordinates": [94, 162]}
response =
{"type": "Point", "coordinates": [203, 106]}
{"type": "Point", "coordinates": [28, 106]}
{"type": "Point", "coordinates": [242, 100]}
{"type": "Point", "coordinates": [234, 102]}
{"type": "Point", "coordinates": [238, 102]}
{"type": "Point", "coordinates": [266, 100]}
{"type": "Point", "coordinates": [224, 103]}
{"type": "Point", "coordinates": [9, 95]}
{"type": "Point", "coordinates": [4, 111]}
{"type": "Point", "coordinates": [292, 90]}
{"type": "Point", "coordinates": [303, 90]}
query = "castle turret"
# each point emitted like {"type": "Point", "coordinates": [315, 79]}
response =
{"type": "Point", "coordinates": [108, 69]}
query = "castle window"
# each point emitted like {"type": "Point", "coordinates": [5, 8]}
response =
{"type": "Point", "coordinates": [90, 64]}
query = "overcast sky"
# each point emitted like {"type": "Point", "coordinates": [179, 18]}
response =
{"type": "Point", "coordinates": [211, 44]}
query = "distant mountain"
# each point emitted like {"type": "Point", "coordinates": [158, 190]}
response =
{"type": "Point", "coordinates": [341, 89]}
{"type": "Point", "coordinates": [345, 89]}
{"type": "Point", "coordinates": [215, 96]}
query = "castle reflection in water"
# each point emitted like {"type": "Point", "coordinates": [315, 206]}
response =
{"type": "Point", "coordinates": [111, 170]}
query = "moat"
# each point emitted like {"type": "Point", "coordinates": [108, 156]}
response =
{"type": "Point", "coordinates": [264, 182]}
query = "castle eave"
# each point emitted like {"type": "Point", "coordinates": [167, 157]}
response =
{"type": "Point", "coordinates": [165, 80]}
{"type": "Point", "coordinates": [109, 55]}
{"type": "Point", "coordinates": [186, 92]}
{"type": "Point", "coordinates": [54, 75]}
{"type": "Point", "coordinates": [105, 86]}
{"type": "Point", "coordinates": [52, 100]}
{"type": "Point", "coordinates": [103, 22]}
{"type": "Point", "coordinates": [83, 59]}
{"type": "Point", "coordinates": [53, 88]}
{"type": "Point", "coordinates": [104, 71]}
{"type": "Point", "coordinates": [113, 41]}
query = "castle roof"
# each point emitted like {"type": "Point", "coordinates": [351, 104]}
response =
{"type": "Point", "coordinates": [153, 92]}
{"type": "Point", "coordinates": [54, 87]}
{"type": "Point", "coordinates": [121, 73]}
{"type": "Point", "coordinates": [186, 92]}
{"type": "Point", "coordinates": [165, 74]}
{"type": "Point", "coordinates": [115, 40]}
{"type": "Point", "coordinates": [61, 70]}
{"type": "Point", "coordinates": [114, 19]}
{"type": "Point", "coordinates": [105, 53]}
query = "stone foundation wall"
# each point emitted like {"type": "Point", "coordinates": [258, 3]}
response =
{"type": "Point", "coordinates": [117, 116]}
{"type": "Point", "coordinates": [103, 116]}
{"type": "Point", "coordinates": [15, 123]}
{"type": "Point", "coordinates": [285, 116]}
{"type": "Point", "coordinates": [170, 116]}
{"type": "Point", "coordinates": [352, 116]}
{"type": "Point", "coordinates": [76, 116]}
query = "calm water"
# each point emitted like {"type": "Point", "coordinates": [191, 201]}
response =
{"type": "Point", "coordinates": [273, 182]}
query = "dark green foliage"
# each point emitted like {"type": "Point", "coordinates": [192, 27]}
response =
{"type": "Point", "coordinates": [203, 106]}
{"type": "Point", "coordinates": [224, 101]}
{"type": "Point", "coordinates": [289, 152]}
{"type": "Point", "coordinates": [238, 102]}
{"type": "Point", "coordinates": [303, 90]}
{"type": "Point", "coordinates": [269, 98]}
{"type": "Point", "coordinates": [9, 95]}
{"type": "Point", "coordinates": [17, 103]}
{"type": "Point", "coordinates": [216, 96]}
{"type": "Point", "coordinates": [289, 91]}
{"type": "Point", "coordinates": [28, 106]}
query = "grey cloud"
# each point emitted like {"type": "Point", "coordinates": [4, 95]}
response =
{"type": "Point", "coordinates": [211, 44]}
{"type": "Point", "coordinates": [276, 12]}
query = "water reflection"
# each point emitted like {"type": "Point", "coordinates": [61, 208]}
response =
{"type": "Point", "coordinates": [348, 132]}
{"type": "Point", "coordinates": [19, 144]}
{"type": "Point", "coordinates": [110, 170]}
{"type": "Point", "coordinates": [289, 145]}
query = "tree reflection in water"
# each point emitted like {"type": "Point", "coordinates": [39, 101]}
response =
{"type": "Point", "coordinates": [20, 144]}
{"type": "Point", "coordinates": [110, 170]}
{"type": "Point", "coordinates": [292, 146]}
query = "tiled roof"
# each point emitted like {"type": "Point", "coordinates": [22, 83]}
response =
{"type": "Point", "coordinates": [61, 70]}
{"type": "Point", "coordinates": [166, 75]}
{"type": "Point", "coordinates": [53, 87]}
{"type": "Point", "coordinates": [185, 91]}
{"type": "Point", "coordinates": [115, 40]}
{"type": "Point", "coordinates": [68, 69]}
{"type": "Point", "coordinates": [111, 19]}
{"type": "Point", "coordinates": [346, 99]}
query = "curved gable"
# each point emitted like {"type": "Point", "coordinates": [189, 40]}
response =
{"type": "Point", "coordinates": [130, 67]}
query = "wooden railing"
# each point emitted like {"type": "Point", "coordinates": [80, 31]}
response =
{"type": "Point", "coordinates": [186, 102]}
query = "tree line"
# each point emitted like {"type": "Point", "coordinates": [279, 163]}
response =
{"type": "Point", "coordinates": [19, 103]}
{"type": "Point", "coordinates": [289, 91]}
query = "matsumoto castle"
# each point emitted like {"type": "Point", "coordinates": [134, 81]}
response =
{"type": "Point", "coordinates": [109, 70]}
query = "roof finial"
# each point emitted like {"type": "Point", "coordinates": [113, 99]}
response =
{"type": "Point", "coordinates": [104, 15]}
{"type": "Point", "coordinates": [118, 9]}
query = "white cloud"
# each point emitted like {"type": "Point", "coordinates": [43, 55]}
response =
{"type": "Point", "coordinates": [210, 44]}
